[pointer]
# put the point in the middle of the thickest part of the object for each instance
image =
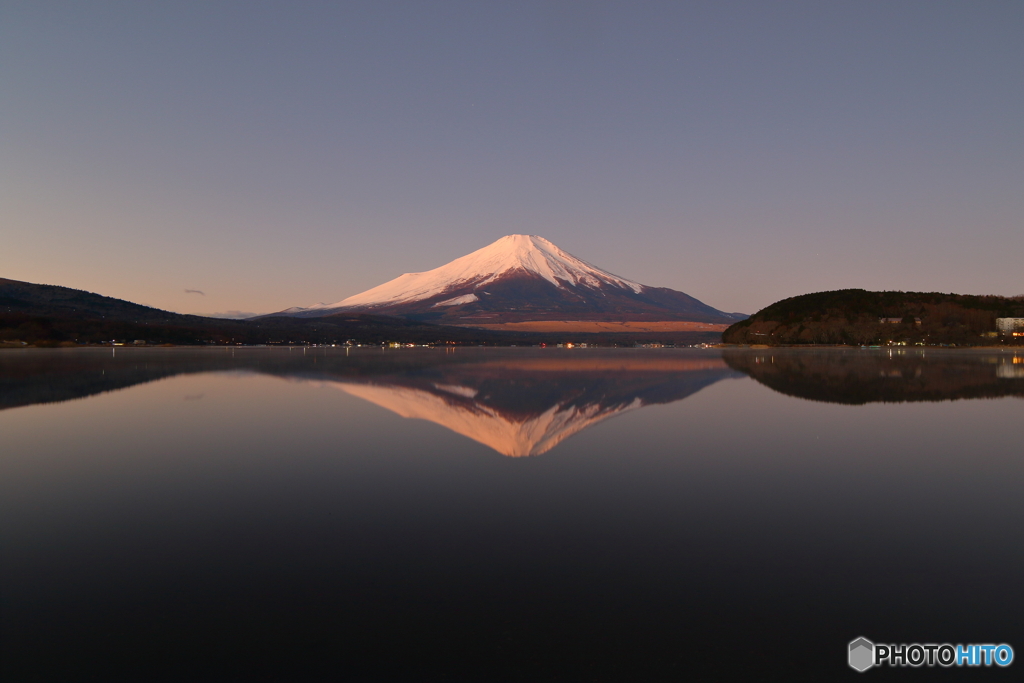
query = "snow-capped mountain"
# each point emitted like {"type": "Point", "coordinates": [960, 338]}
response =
{"type": "Point", "coordinates": [519, 278]}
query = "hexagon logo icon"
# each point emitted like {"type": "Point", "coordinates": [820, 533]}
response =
{"type": "Point", "coordinates": [862, 654]}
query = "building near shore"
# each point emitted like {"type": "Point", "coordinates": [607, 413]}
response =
{"type": "Point", "coordinates": [1010, 325]}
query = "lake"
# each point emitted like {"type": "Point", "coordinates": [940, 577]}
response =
{"type": "Point", "coordinates": [504, 514]}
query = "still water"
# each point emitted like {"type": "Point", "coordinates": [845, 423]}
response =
{"type": "Point", "coordinates": [516, 514]}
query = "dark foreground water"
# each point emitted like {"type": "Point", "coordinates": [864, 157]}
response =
{"type": "Point", "coordinates": [574, 515]}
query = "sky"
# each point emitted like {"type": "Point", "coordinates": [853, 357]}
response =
{"type": "Point", "coordinates": [209, 157]}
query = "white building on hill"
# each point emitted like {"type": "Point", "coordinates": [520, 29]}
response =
{"type": "Point", "coordinates": [1009, 325]}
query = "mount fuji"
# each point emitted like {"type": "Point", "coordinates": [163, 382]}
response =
{"type": "Point", "coordinates": [516, 279]}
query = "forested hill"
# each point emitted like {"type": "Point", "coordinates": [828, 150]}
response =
{"type": "Point", "coordinates": [857, 316]}
{"type": "Point", "coordinates": [65, 302]}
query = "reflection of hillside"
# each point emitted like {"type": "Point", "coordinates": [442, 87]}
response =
{"type": "Point", "coordinates": [32, 376]}
{"type": "Point", "coordinates": [855, 376]}
{"type": "Point", "coordinates": [528, 406]}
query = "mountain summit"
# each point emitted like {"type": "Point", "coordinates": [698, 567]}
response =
{"type": "Point", "coordinates": [520, 278]}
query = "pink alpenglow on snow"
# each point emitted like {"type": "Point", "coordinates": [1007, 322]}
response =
{"type": "Point", "coordinates": [517, 278]}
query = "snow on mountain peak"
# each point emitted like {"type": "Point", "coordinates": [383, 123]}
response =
{"type": "Point", "coordinates": [529, 253]}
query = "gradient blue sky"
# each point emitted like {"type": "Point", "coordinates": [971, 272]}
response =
{"type": "Point", "coordinates": [272, 154]}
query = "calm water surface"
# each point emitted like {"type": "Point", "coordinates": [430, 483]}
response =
{"type": "Point", "coordinates": [517, 514]}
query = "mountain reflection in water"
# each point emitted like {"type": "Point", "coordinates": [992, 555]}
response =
{"type": "Point", "coordinates": [519, 402]}
{"type": "Point", "coordinates": [523, 402]}
{"type": "Point", "coordinates": [527, 406]}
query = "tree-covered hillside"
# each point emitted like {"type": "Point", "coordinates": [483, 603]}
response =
{"type": "Point", "coordinates": [857, 316]}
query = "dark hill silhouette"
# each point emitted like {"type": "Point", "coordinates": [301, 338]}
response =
{"type": "Point", "coordinates": [854, 316]}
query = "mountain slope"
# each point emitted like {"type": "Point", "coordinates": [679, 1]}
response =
{"type": "Point", "coordinates": [518, 278]}
{"type": "Point", "coordinates": [68, 303]}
